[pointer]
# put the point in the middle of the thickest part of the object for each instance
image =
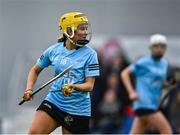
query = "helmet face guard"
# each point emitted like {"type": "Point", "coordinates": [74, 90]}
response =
{"type": "Point", "coordinates": [75, 21]}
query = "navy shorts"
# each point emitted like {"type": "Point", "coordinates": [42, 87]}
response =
{"type": "Point", "coordinates": [75, 124]}
{"type": "Point", "coordinates": [144, 111]}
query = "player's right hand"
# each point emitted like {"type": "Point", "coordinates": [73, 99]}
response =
{"type": "Point", "coordinates": [133, 96]}
{"type": "Point", "coordinates": [27, 95]}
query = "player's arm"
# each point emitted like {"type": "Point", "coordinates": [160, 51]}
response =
{"type": "Point", "coordinates": [32, 77]}
{"type": "Point", "coordinates": [87, 86]}
{"type": "Point", "coordinates": [91, 70]}
{"type": "Point", "coordinates": [67, 89]}
{"type": "Point", "coordinates": [125, 75]}
{"type": "Point", "coordinates": [42, 62]}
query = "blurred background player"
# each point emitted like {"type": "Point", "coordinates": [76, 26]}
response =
{"type": "Point", "coordinates": [61, 107]}
{"type": "Point", "coordinates": [151, 74]}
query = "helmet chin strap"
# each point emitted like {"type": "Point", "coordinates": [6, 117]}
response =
{"type": "Point", "coordinates": [78, 44]}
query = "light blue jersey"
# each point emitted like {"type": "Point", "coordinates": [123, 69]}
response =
{"type": "Point", "coordinates": [150, 75]}
{"type": "Point", "coordinates": [85, 65]}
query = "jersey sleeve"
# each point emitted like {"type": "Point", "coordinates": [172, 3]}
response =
{"type": "Point", "coordinates": [137, 65]}
{"type": "Point", "coordinates": [92, 66]}
{"type": "Point", "coordinates": [44, 61]}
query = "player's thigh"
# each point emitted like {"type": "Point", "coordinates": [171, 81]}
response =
{"type": "Point", "coordinates": [138, 126]}
{"type": "Point", "coordinates": [158, 121]}
{"type": "Point", "coordinates": [42, 123]}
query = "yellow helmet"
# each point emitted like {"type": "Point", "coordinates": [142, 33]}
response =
{"type": "Point", "coordinates": [72, 19]}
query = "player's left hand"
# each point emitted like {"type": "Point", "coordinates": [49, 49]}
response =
{"type": "Point", "coordinates": [67, 90]}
